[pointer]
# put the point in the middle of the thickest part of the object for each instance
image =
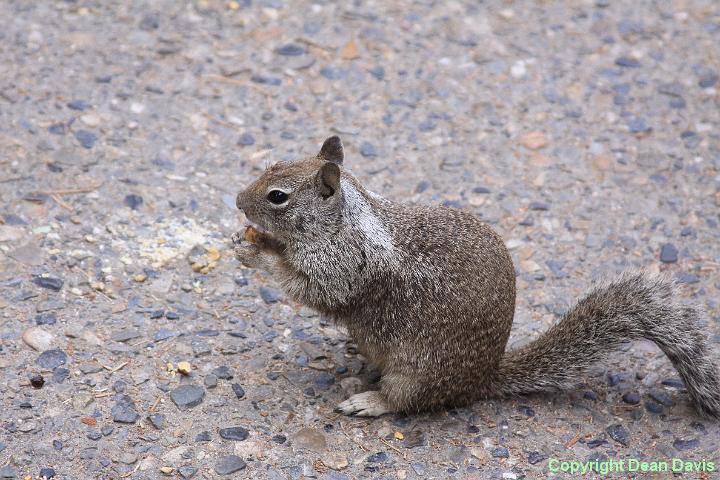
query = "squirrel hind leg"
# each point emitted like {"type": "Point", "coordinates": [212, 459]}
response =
{"type": "Point", "coordinates": [365, 404]}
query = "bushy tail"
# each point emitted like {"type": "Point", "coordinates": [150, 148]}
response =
{"type": "Point", "coordinates": [631, 307]}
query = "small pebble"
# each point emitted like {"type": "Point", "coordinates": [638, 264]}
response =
{"type": "Point", "coordinates": [47, 473]}
{"type": "Point", "coordinates": [500, 452]}
{"type": "Point", "coordinates": [234, 433]}
{"type": "Point", "coordinates": [668, 253]}
{"type": "Point", "coordinates": [133, 201]}
{"type": "Point", "coordinates": [618, 433]}
{"type": "Point", "coordinates": [37, 381]}
{"type": "Point", "coordinates": [229, 464]}
{"type": "Point", "coordinates": [52, 359]}
{"type": "Point", "coordinates": [210, 381]}
{"type": "Point", "coordinates": [631, 398]}
{"type": "Point", "coordinates": [187, 396]}
{"type": "Point", "coordinates": [86, 138]}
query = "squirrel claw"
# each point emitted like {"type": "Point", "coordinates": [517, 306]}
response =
{"type": "Point", "coordinates": [366, 404]}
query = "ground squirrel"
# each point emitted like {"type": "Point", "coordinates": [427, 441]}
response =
{"type": "Point", "coordinates": [428, 294]}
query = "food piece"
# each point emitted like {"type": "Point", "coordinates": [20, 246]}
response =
{"type": "Point", "coordinates": [252, 234]}
{"type": "Point", "coordinates": [184, 368]}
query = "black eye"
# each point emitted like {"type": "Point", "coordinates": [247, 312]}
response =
{"type": "Point", "coordinates": [277, 197]}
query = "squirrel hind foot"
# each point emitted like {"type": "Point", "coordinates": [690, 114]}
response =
{"type": "Point", "coordinates": [365, 404]}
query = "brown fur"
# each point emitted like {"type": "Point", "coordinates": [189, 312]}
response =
{"type": "Point", "coordinates": [428, 294]}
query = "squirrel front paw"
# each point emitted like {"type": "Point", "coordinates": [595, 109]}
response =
{"type": "Point", "coordinates": [249, 254]}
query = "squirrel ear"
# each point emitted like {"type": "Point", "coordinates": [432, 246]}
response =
{"type": "Point", "coordinates": [328, 179]}
{"type": "Point", "coordinates": [332, 150]}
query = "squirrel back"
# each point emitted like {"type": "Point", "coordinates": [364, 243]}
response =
{"type": "Point", "coordinates": [428, 294]}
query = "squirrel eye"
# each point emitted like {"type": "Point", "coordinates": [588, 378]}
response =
{"type": "Point", "coordinates": [277, 197]}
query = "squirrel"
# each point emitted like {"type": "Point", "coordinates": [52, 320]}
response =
{"type": "Point", "coordinates": [428, 295]}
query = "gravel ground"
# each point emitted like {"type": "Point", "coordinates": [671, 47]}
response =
{"type": "Point", "coordinates": [585, 132]}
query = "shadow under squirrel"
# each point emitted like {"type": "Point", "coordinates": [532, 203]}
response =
{"type": "Point", "coordinates": [428, 294]}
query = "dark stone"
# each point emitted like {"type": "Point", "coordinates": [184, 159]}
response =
{"type": "Point", "coordinates": [662, 398]}
{"type": "Point", "coordinates": [187, 471]}
{"type": "Point", "coordinates": [377, 72]}
{"type": "Point", "coordinates": [422, 186]}
{"type": "Point", "coordinates": [367, 149]}
{"type": "Point", "coordinates": [674, 383]}
{"type": "Point", "coordinates": [47, 472]}
{"type": "Point", "coordinates": [590, 395]}
{"type": "Point", "coordinates": [332, 72]}
{"type": "Point", "coordinates": [618, 433]}
{"type": "Point", "coordinates": [653, 407]}
{"type": "Point", "coordinates": [203, 437]}
{"type": "Point", "coordinates": [207, 332]}
{"type": "Point", "coordinates": [264, 80]}
{"type": "Point", "coordinates": [540, 206]}
{"type": "Point", "coordinates": [211, 380]}
{"type": "Point", "coordinates": [684, 277]}
{"type": "Point", "coordinates": [637, 125]}
{"type": "Point", "coordinates": [698, 427]}
{"type": "Point", "coordinates": [290, 50]}
{"type": "Point", "coordinates": [668, 253]}
{"type": "Point", "coordinates": [627, 62]}
{"type": "Point", "coordinates": [229, 464]}
{"type": "Point", "coordinates": [536, 457]}
{"type": "Point", "coordinates": [556, 267]}
{"type": "Point", "coordinates": [682, 444]}
{"type": "Point", "coordinates": [86, 138]}
{"type": "Point", "coordinates": [187, 396]}
{"type": "Point", "coordinates": [37, 381]}
{"type": "Point", "coordinates": [57, 129]}
{"type": "Point", "coordinates": [270, 295]}
{"type": "Point", "coordinates": [45, 319]}
{"type": "Point", "coordinates": [379, 457]}
{"type": "Point", "coordinates": [631, 398]}
{"type": "Point", "coordinates": [52, 359]}
{"type": "Point", "coordinates": [234, 433]}
{"type": "Point", "coordinates": [500, 452]}
{"type": "Point", "coordinates": [78, 105]}
{"type": "Point", "coordinates": [324, 381]}
{"type": "Point", "coordinates": [246, 140]}
{"type": "Point", "coordinates": [172, 316]}
{"type": "Point", "coordinates": [223, 372]}
{"type": "Point", "coordinates": [149, 22]}
{"type": "Point", "coordinates": [51, 283]}
{"type": "Point", "coordinates": [124, 410]}
{"type": "Point", "coordinates": [239, 392]}
{"type": "Point", "coordinates": [164, 334]}
{"type": "Point", "coordinates": [596, 443]}
{"type": "Point", "coordinates": [60, 374]}
{"type": "Point", "coordinates": [157, 420]}
{"type": "Point", "coordinates": [427, 125]}
{"type": "Point", "coordinates": [279, 439]}
{"type": "Point", "coordinates": [708, 79]}
{"type": "Point", "coordinates": [125, 335]}
{"type": "Point", "coordinates": [133, 201]}
{"type": "Point", "coordinates": [527, 411]}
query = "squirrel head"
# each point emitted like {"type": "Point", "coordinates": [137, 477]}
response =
{"type": "Point", "coordinates": [298, 199]}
